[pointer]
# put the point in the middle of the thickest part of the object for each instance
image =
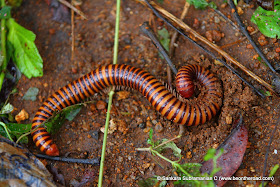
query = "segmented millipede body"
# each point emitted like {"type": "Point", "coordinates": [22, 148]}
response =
{"type": "Point", "coordinates": [158, 95]}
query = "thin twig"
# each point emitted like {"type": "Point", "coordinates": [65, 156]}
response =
{"type": "Point", "coordinates": [172, 41]}
{"type": "Point", "coordinates": [246, 33]}
{"type": "Point", "coordinates": [94, 161]}
{"type": "Point", "coordinates": [111, 93]}
{"type": "Point", "coordinates": [182, 24]}
{"type": "Point", "coordinates": [148, 31]}
{"type": "Point", "coordinates": [72, 33]}
{"type": "Point", "coordinates": [226, 18]}
{"type": "Point", "coordinates": [73, 8]}
{"type": "Point", "coordinates": [165, 142]}
{"type": "Point", "coordinates": [268, 147]}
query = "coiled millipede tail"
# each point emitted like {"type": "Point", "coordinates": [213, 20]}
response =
{"type": "Point", "coordinates": [158, 95]}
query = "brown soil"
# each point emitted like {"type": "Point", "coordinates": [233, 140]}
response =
{"type": "Point", "coordinates": [94, 48]}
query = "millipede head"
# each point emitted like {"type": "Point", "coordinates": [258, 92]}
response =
{"type": "Point", "coordinates": [52, 150]}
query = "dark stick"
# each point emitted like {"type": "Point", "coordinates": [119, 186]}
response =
{"type": "Point", "coordinates": [226, 18]}
{"type": "Point", "coordinates": [267, 149]}
{"type": "Point", "coordinates": [246, 33]}
{"type": "Point", "coordinates": [94, 161]}
{"type": "Point", "coordinates": [148, 31]}
{"type": "Point", "coordinates": [204, 49]}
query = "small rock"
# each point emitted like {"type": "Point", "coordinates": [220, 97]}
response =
{"type": "Point", "coordinates": [92, 108]}
{"type": "Point", "coordinates": [96, 124]}
{"type": "Point", "coordinates": [21, 116]}
{"type": "Point", "coordinates": [249, 46]}
{"type": "Point", "coordinates": [159, 127]}
{"type": "Point", "coordinates": [224, 5]}
{"type": "Point", "coordinates": [218, 63]}
{"type": "Point", "coordinates": [149, 124]}
{"type": "Point", "coordinates": [74, 70]}
{"type": "Point", "coordinates": [240, 11]}
{"type": "Point", "coordinates": [100, 105]}
{"type": "Point", "coordinates": [262, 40]}
{"type": "Point", "coordinates": [146, 165]}
{"type": "Point", "coordinates": [94, 134]}
{"type": "Point", "coordinates": [154, 121]}
{"type": "Point", "coordinates": [146, 129]}
{"type": "Point", "coordinates": [216, 19]}
{"type": "Point", "coordinates": [52, 31]}
{"type": "Point", "coordinates": [196, 23]}
{"type": "Point", "coordinates": [252, 169]}
{"type": "Point", "coordinates": [250, 29]}
{"type": "Point", "coordinates": [214, 35]}
{"type": "Point", "coordinates": [123, 95]}
{"type": "Point", "coordinates": [85, 126]}
{"type": "Point", "coordinates": [112, 127]}
{"type": "Point", "coordinates": [189, 155]}
{"type": "Point", "coordinates": [229, 119]}
{"type": "Point", "coordinates": [122, 126]}
{"type": "Point", "coordinates": [142, 125]}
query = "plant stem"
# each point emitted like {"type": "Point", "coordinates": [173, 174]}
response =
{"type": "Point", "coordinates": [174, 164]}
{"type": "Point", "coordinates": [7, 132]}
{"type": "Point", "coordinates": [116, 42]}
{"type": "Point", "coordinates": [111, 93]}
{"type": "Point", "coordinates": [3, 46]}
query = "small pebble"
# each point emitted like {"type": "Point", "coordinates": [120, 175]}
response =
{"type": "Point", "coordinates": [146, 130]}
{"type": "Point", "coordinates": [92, 108]}
{"type": "Point", "coordinates": [52, 31]}
{"type": "Point", "coordinates": [100, 105]}
{"type": "Point", "coordinates": [85, 126]}
{"type": "Point", "coordinates": [154, 121]}
{"type": "Point", "coordinates": [21, 116]}
{"type": "Point", "coordinates": [229, 119]}
{"type": "Point", "coordinates": [250, 29]}
{"type": "Point", "coordinates": [159, 127]}
{"type": "Point", "coordinates": [74, 70]}
{"type": "Point", "coordinates": [122, 94]}
{"type": "Point", "coordinates": [149, 124]}
{"type": "Point", "coordinates": [252, 169]}
{"type": "Point", "coordinates": [142, 125]}
{"type": "Point", "coordinates": [249, 46]}
{"type": "Point", "coordinates": [146, 165]}
{"type": "Point", "coordinates": [189, 155]}
{"type": "Point", "coordinates": [216, 19]}
{"type": "Point", "coordinates": [262, 40]}
{"type": "Point", "coordinates": [94, 135]}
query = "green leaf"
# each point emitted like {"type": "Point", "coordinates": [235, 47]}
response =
{"type": "Point", "coordinates": [210, 154]}
{"type": "Point", "coordinates": [54, 124]}
{"type": "Point", "coordinates": [71, 114]}
{"type": "Point", "coordinates": [150, 182]}
{"type": "Point", "coordinates": [15, 3]}
{"type": "Point", "coordinates": [150, 139]}
{"type": "Point", "coordinates": [25, 55]}
{"type": "Point", "coordinates": [5, 12]}
{"type": "Point", "coordinates": [16, 130]}
{"type": "Point", "coordinates": [176, 151]}
{"type": "Point", "coordinates": [164, 38]}
{"type": "Point", "coordinates": [31, 94]}
{"type": "Point", "coordinates": [268, 22]}
{"type": "Point", "coordinates": [6, 109]}
{"type": "Point", "coordinates": [198, 4]}
{"type": "Point", "coordinates": [212, 5]}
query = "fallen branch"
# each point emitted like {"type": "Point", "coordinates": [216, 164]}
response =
{"type": "Point", "coordinates": [186, 28]}
{"type": "Point", "coordinates": [73, 8]}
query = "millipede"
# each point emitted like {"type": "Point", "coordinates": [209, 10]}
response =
{"type": "Point", "coordinates": [165, 102]}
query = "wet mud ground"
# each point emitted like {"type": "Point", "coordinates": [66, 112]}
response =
{"type": "Point", "coordinates": [94, 48]}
